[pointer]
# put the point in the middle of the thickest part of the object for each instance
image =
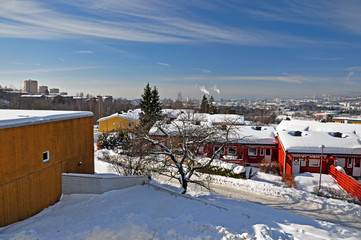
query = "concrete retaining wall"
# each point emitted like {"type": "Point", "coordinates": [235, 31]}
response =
{"type": "Point", "coordinates": [98, 183]}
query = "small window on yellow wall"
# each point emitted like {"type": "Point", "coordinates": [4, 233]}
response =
{"type": "Point", "coordinates": [46, 157]}
{"type": "Point", "coordinates": [130, 124]}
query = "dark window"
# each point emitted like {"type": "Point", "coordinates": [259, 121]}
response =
{"type": "Point", "coordinates": [46, 156]}
{"type": "Point", "coordinates": [268, 152]}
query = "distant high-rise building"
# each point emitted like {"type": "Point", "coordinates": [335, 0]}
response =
{"type": "Point", "coordinates": [54, 90]}
{"type": "Point", "coordinates": [43, 89]}
{"type": "Point", "coordinates": [31, 86]}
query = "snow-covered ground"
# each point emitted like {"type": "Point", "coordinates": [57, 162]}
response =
{"type": "Point", "coordinates": [153, 212]}
{"type": "Point", "coordinates": [146, 212]}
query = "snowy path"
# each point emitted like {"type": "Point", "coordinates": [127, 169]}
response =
{"type": "Point", "coordinates": [313, 210]}
{"type": "Point", "coordinates": [316, 208]}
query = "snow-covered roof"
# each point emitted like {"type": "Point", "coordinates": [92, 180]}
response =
{"type": "Point", "coordinates": [310, 142]}
{"type": "Point", "coordinates": [229, 119]}
{"type": "Point", "coordinates": [193, 117]}
{"type": "Point", "coordinates": [253, 135]}
{"type": "Point", "coordinates": [175, 128]}
{"type": "Point", "coordinates": [232, 119]}
{"type": "Point", "coordinates": [303, 125]}
{"type": "Point", "coordinates": [299, 136]}
{"type": "Point", "coordinates": [174, 113]}
{"type": "Point", "coordinates": [132, 115]}
{"type": "Point", "coordinates": [237, 134]}
{"type": "Point", "coordinates": [16, 118]}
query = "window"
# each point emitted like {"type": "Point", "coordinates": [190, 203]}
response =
{"type": "Point", "coordinates": [232, 151]}
{"type": "Point", "coordinates": [261, 152]}
{"type": "Point", "coordinates": [216, 148]}
{"type": "Point", "coordinates": [130, 125]}
{"type": "Point", "coordinates": [252, 152]}
{"type": "Point", "coordinates": [303, 163]}
{"type": "Point", "coordinates": [46, 157]}
{"type": "Point", "coordinates": [349, 163]}
{"type": "Point", "coordinates": [268, 152]}
{"type": "Point", "coordinates": [120, 125]}
{"type": "Point", "coordinates": [314, 162]}
{"type": "Point", "coordinates": [357, 163]}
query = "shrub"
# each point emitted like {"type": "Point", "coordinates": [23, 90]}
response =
{"type": "Point", "coordinates": [270, 167]}
{"type": "Point", "coordinates": [219, 171]}
{"type": "Point", "coordinates": [289, 180]}
{"type": "Point", "coordinates": [111, 140]}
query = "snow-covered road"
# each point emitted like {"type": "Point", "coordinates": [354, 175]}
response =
{"type": "Point", "coordinates": [286, 199]}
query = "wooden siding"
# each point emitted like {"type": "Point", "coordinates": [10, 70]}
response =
{"type": "Point", "coordinates": [27, 184]}
{"type": "Point", "coordinates": [112, 124]}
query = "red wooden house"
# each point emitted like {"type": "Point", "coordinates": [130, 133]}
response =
{"type": "Point", "coordinates": [303, 144]}
{"type": "Point", "coordinates": [247, 146]}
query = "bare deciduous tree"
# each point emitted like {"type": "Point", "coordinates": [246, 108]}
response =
{"type": "Point", "coordinates": [182, 142]}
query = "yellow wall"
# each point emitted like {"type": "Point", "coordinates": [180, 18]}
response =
{"type": "Point", "coordinates": [27, 184]}
{"type": "Point", "coordinates": [112, 124]}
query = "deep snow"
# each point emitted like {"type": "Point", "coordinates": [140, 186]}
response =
{"type": "Point", "coordinates": [151, 212]}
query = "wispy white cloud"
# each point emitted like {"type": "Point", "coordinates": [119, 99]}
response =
{"type": "Point", "coordinates": [349, 75]}
{"type": "Point", "coordinates": [202, 70]}
{"type": "Point", "coordinates": [336, 14]}
{"type": "Point", "coordinates": [84, 52]}
{"type": "Point", "coordinates": [327, 58]}
{"type": "Point", "coordinates": [140, 21]}
{"type": "Point", "coordinates": [61, 59]}
{"type": "Point", "coordinates": [46, 70]}
{"type": "Point", "coordinates": [163, 64]}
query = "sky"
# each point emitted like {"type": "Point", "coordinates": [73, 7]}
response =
{"type": "Point", "coordinates": [227, 49]}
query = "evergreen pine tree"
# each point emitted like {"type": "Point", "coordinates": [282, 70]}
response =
{"type": "Point", "coordinates": [212, 106]}
{"type": "Point", "coordinates": [204, 105]}
{"type": "Point", "coordinates": [150, 106]}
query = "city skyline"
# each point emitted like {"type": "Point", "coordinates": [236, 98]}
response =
{"type": "Point", "coordinates": [230, 49]}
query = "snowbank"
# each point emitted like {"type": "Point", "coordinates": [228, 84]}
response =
{"type": "Point", "coordinates": [145, 212]}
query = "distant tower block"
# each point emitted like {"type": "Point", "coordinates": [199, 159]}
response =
{"type": "Point", "coordinates": [43, 89]}
{"type": "Point", "coordinates": [54, 90]}
{"type": "Point", "coordinates": [31, 86]}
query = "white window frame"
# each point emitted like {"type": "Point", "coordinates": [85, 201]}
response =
{"type": "Point", "coordinates": [252, 151]}
{"type": "Point", "coordinates": [46, 156]}
{"type": "Point", "coordinates": [349, 162]}
{"type": "Point", "coordinates": [314, 162]}
{"type": "Point", "coordinates": [269, 150]}
{"type": "Point", "coordinates": [261, 152]}
{"type": "Point", "coordinates": [233, 151]}
{"type": "Point", "coordinates": [303, 162]}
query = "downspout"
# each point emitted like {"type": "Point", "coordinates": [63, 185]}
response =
{"type": "Point", "coordinates": [284, 163]}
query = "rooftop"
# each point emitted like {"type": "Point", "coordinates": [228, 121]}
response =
{"type": "Point", "coordinates": [16, 118]}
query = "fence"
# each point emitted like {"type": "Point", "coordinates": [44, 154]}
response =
{"type": "Point", "coordinates": [349, 184]}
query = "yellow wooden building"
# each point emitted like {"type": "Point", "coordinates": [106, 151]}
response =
{"type": "Point", "coordinates": [346, 120]}
{"type": "Point", "coordinates": [36, 147]}
{"type": "Point", "coordinates": [119, 121]}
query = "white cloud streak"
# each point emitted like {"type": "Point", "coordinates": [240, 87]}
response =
{"type": "Point", "coordinates": [163, 64]}
{"type": "Point", "coordinates": [46, 70]}
{"type": "Point", "coordinates": [202, 70]}
{"type": "Point", "coordinates": [84, 52]}
{"type": "Point", "coordinates": [137, 21]}
{"type": "Point", "coordinates": [349, 75]}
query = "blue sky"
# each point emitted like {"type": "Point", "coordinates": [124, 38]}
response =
{"type": "Point", "coordinates": [229, 48]}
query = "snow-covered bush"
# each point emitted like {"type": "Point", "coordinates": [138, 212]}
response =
{"type": "Point", "coordinates": [111, 140]}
